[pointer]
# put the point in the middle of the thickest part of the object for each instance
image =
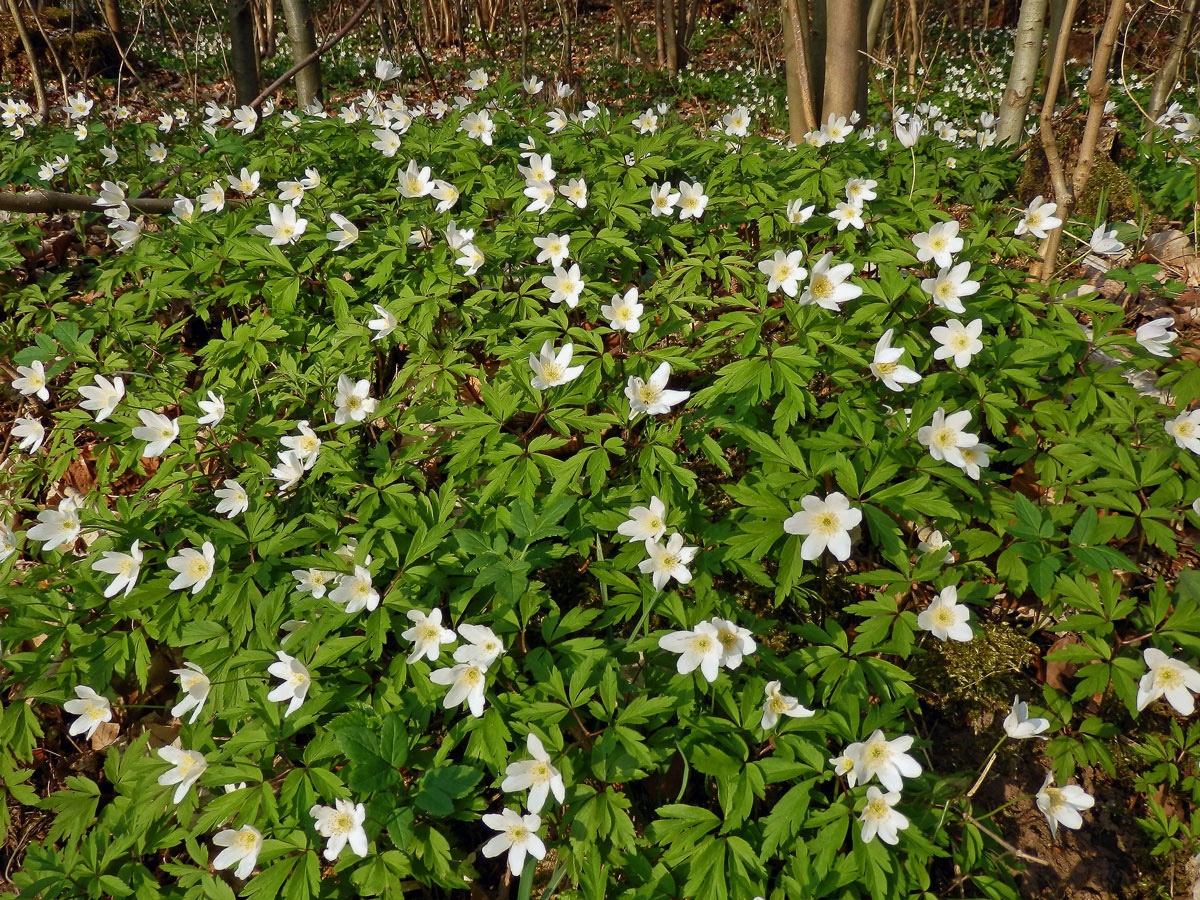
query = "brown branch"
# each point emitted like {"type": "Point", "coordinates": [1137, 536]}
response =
{"type": "Point", "coordinates": [301, 64]}
{"type": "Point", "coordinates": [420, 53]}
{"type": "Point", "coordinates": [42, 201]}
{"type": "Point", "coordinates": [35, 71]}
{"type": "Point", "coordinates": [1058, 175]}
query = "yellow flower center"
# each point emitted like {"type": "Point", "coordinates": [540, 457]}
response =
{"type": "Point", "coordinates": [822, 287]}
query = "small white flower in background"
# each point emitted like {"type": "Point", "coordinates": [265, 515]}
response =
{"type": "Point", "coordinates": [356, 591]}
{"type": "Point", "coordinates": [778, 704]}
{"type": "Point", "coordinates": [477, 80]}
{"type": "Point", "coordinates": [886, 365]}
{"type": "Point", "coordinates": [156, 153]}
{"type": "Point", "coordinates": [848, 215]}
{"type": "Point", "coordinates": [949, 285]}
{"type": "Point", "coordinates": [646, 123]}
{"type": "Point", "coordinates": [945, 436]}
{"type": "Point", "coordinates": [698, 649]}
{"type": "Point", "coordinates": [289, 470]}
{"type": "Point", "coordinates": [471, 259]}
{"type": "Point", "coordinates": [1155, 335]}
{"type": "Point", "coordinates": [933, 542]}
{"type": "Point", "coordinates": [414, 181]}
{"type": "Point", "coordinates": [427, 635]}
{"type": "Point", "coordinates": [294, 682]}
{"type": "Point", "coordinates": [312, 581]}
{"type": "Point", "coordinates": [78, 107]}
{"type": "Point", "coordinates": [112, 193]}
{"type": "Point", "coordinates": [908, 133]}
{"type": "Point", "coordinates": [110, 155]}
{"type": "Point", "coordinates": [57, 527]}
{"type": "Point", "coordinates": [158, 431]}
{"type": "Point", "coordinates": [784, 272]}
{"type": "Point", "coordinates": [482, 647]}
{"type": "Point", "coordinates": [245, 119]}
{"type": "Point", "coordinates": [92, 711]}
{"type": "Point", "coordinates": [125, 233]}
{"type": "Point", "coordinates": [551, 369]}
{"type": "Point", "coordinates": [540, 168]}
{"type": "Point", "coordinates": [623, 313]}
{"type": "Point", "coordinates": [651, 396]}
{"type": "Point", "coordinates": [195, 686]}
{"type": "Point", "coordinates": [879, 818]}
{"type": "Point", "coordinates": [835, 129]}
{"type": "Point", "coordinates": [342, 824]}
{"type": "Point", "coordinates": [1104, 241]}
{"type": "Point", "coordinates": [532, 84]}
{"type": "Point", "coordinates": [575, 190]}
{"type": "Point", "coordinates": [466, 686]}
{"type": "Point", "coordinates": [736, 642]}
{"type": "Point", "coordinates": [245, 183]}
{"type": "Point", "coordinates": [797, 213]}
{"type": "Point", "coordinates": [826, 286]}
{"type": "Point", "coordinates": [183, 211]}
{"type": "Point", "coordinates": [241, 848]}
{"type": "Point", "coordinates": [353, 400]}
{"type": "Point", "coordinates": [124, 566]}
{"type": "Point", "coordinates": [386, 142]}
{"type": "Point", "coordinates": [213, 198]}
{"type": "Point", "coordinates": [1168, 678]}
{"type": "Point", "coordinates": [384, 325]}
{"type": "Point", "coordinates": [662, 201]}
{"type": "Point", "coordinates": [386, 70]}
{"type": "Point", "coordinates": [554, 248]}
{"type": "Point", "coordinates": [974, 458]}
{"type": "Point", "coordinates": [30, 433]}
{"type": "Point", "coordinates": [860, 190]}
{"type": "Point", "coordinates": [285, 227]}
{"type": "Point", "coordinates": [939, 244]}
{"type": "Point", "coordinates": [667, 561]}
{"type": "Point", "coordinates": [645, 523]}
{"type": "Point", "coordinates": [195, 567]}
{"type": "Point", "coordinates": [344, 235]}
{"type": "Point", "coordinates": [562, 90]}
{"type": "Point", "coordinates": [737, 122]}
{"type": "Point", "coordinates": [1061, 806]}
{"type": "Point", "coordinates": [213, 409]}
{"type": "Point", "coordinates": [877, 757]}
{"type": "Point", "coordinates": [1038, 218]}
{"type": "Point", "coordinates": [1019, 725]}
{"type": "Point", "coordinates": [31, 380]}
{"type": "Point", "coordinates": [186, 768]}
{"type": "Point", "coordinates": [542, 195]}
{"type": "Point", "coordinates": [825, 524]}
{"type": "Point", "coordinates": [692, 200]}
{"type": "Point", "coordinates": [958, 342]}
{"type": "Point", "coordinates": [306, 444]}
{"type": "Point", "coordinates": [311, 179]}
{"type": "Point", "coordinates": [446, 194]}
{"type": "Point", "coordinates": [1185, 428]}
{"type": "Point", "coordinates": [946, 618]}
{"type": "Point", "coordinates": [8, 542]}
{"type": "Point", "coordinates": [565, 285]}
{"type": "Point", "coordinates": [478, 126]}
{"type": "Point", "coordinates": [234, 499]}
{"type": "Point", "coordinates": [518, 837]}
{"type": "Point", "coordinates": [291, 192]}
{"type": "Point", "coordinates": [537, 775]}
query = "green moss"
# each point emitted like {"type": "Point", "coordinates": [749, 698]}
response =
{"type": "Point", "coordinates": [1107, 179]}
{"type": "Point", "coordinates": [89, 52]}
{"type": "Point", "coordinates": [982, 674]}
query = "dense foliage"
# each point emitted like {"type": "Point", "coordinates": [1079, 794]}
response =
{"type": "Point", "coordinates": [366, 383]}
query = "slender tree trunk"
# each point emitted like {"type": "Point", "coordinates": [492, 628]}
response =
{"type": "Point", "coordinates": [304, 44]}
{"type": "Point", "coordinates": [801, 118]}
{"type": "Point", "coordinates": [35, 71]}
{"type": "Point", "coordinates": [1027, 52]}
{"type": "Point", "coordinates": [626, 24]}
{"type": "Point", "coordinates": [1164, 81]}
{"type": "Point", "coordinates": [815, 44]}
{"type": "Point", "coordinates": [874, 23]}
{"type": "Point", "coordinates": [523, 9]}
{"type": "Point", "coordinates": [112, 18]}
{"type": "Point", "coordinates": [660, 42]}
{"type": "Point", "coordinates": [914, 45]}
{"type": "Point", "coordinates": [241, 57]}
{"type": "Point", "coordinates": [846, 24]}
{"type": "Point", "coordinates": [1057, 8]}
{"type": "Point", "coordinates": [669, 35]}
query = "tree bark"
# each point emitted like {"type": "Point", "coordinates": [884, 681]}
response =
{"type": "Point", "coordinates": [1164, 81]}
{"type": "Point", "coordinates": [56, 201]}
{"type": "Point", "coordinates": [304, 44]}
{"type": "Point", "coordinates": [670, 35]}
{"type": "Point", "coordinates": [241, 58]}
{"type": "Point", "coordinates": [1027, 52]}
{"type": "Point", "coordinates": [1057, 8]}
{"type": "Point", "coordinates": [112, 18]}
{"type": "Point", "coordinates": [875, 22]}
{"type": "Point", "coordinates": [801, 118]}
{"type": "Point", "coordinates": [660, 42]}
{"type": "Point", "coordinates": [35, 71]}
{"type": "Point", "coordinates": [814, 43]}
{"type": "Point", "coordinates": [846, 26]}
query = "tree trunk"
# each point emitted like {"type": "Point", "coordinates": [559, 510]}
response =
{"type": "Point", "coordinates": [35, 72]}
{"type": "Point", "coordinates": [846, 26]}
{"type": "Point", "coordinates": [815, 44]}
{"type": "Point", "coordinates": [112, 18]}
{"type": "Point", "coordinates": [874, 23]}
{"type": "Point", "coordinates": [1057, 8]}
{"type": "Point", "coordinates": [660, 42]}
{"type": "Point", "coordinates": [800, 111]}
{"type": "Point", "coordinates": [304, 44]}
{"type": "Point", "coordinates": [1027, 52]}
{"type": "Point", "coordinates": [241, 57]}
{"type": "Point", "coordinates": [669, 35]}
{"type": "Point", "coordinates": [1164, 81]}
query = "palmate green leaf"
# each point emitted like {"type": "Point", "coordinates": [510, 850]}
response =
{"type": "Point", "coordinates": [438, 788]}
